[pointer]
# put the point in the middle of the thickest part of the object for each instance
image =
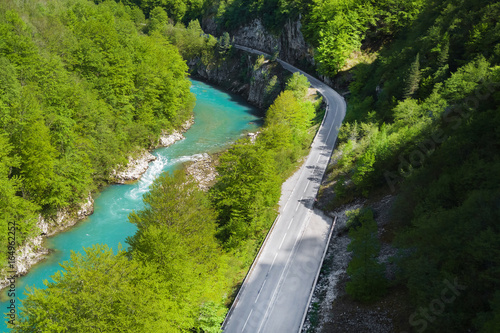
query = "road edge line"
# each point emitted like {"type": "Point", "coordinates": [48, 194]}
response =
{"type": "Point", "coordinates": [252, 267]}
{"type": "Point", "coordinates": [317, 274]}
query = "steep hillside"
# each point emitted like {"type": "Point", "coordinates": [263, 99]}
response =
{"type": "Point", "coordinates": [422, 124]}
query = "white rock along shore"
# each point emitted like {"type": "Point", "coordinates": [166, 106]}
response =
{"type": "Point", "coordinates": [33, 251]}
{"type": "Point", "coordinates": [138, 165]}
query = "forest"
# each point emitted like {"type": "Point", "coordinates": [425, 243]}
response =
{"type": "Point", "coordinates": [81, 88]}
{"type": "Point", "coordinates": [422, 124]}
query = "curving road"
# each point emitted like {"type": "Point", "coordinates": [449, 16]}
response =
{"type": "Point", "coordinates": [276, 292]}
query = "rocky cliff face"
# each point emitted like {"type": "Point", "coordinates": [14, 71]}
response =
{"type": "Point", "coordinates": [33, 251]}
{"type": "Point", "coordinates": [257, 80]}
{"type": "Point", "coordinates": [290, 43]}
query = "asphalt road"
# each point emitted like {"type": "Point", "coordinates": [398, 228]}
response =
{"type": "Point", "coordinates": [276, 292]}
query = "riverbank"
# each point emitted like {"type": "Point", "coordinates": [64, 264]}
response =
{"type": "Point", "coordinates": [221, 119]}
{"type": "Point", "coordinates": [34, 249]}
{"type": "Point", "coordinates": [138, 164]}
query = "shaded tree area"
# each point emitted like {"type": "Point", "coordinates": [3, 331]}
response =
{"type": "Point", "coordinates": [229, 14]}
{"type": "Point", "coordinates": [337, 28]}
{"type": "Point", "coordinates": [367, 275]}
{"type": "Point", "coordinates": [423, 123]}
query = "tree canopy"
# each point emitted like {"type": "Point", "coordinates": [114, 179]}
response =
{"type": "Point", "coordinates": [81, 88]}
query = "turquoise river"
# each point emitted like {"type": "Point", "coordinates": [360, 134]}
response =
{"type": "Point", "coordinates": [220, 119]}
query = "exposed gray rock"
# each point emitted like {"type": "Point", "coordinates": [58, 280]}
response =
{"type": "Point", "coordinates": [134, 168]}
{"type": "Point", "coordinates": [138, 165]}
{"type": "Point", "coordinates": [209, 26]}
{"type": "Point", "coordinates": [33, 250]}
{"type": "Point", "coordinates": [203, 171]}
{"type": "Point", "coordinates": [290, 43]}
{"type": "Point", "coordinates": [253, 136]}
{"type": "Point", "coordinates": [240, 73]}
{"type": "Point", "coordinates": [166, 139]}
{"type": "Point", "coordinates": [331, 283]}
{"type": "Point", "coordinates": [255, 36]}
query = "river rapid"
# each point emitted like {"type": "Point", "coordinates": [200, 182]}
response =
{"type": "Point", "coordinates": [220, 119]}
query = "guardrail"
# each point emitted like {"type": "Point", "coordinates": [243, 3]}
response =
{"type": "Point", "coordinates": [317, 275]}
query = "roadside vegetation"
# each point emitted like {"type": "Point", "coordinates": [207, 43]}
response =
{"type": "Point", "coordinates": [422, 124]}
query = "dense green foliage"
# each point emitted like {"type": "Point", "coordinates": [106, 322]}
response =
{"type": "Point", "coordinates": [423, 120]}
{"type": "Point", "coordinates": [177, 10]}
{"type": "Point", "coordinates": [229, 14]}
{"type": "Point", "coordinates": [80, 85]}
{"type": "Point", "coordinates": [191, 41]}
{"type": "Point", "coordinates": [367, 275]}
{"type": "Point", "coordinates": [171, 280]}
{"type": "Point", "coordinates": [336, 28]}
{"type": "Point", "coordinates": [273, 13]}
{"type": "Point", "coordinates": [98, 292]}
{"type": "Point", "coordinates": [250, 174]}
{"type": "Point", "coordinates": [80, 89]}
{"type": "Point", "coordinates": [176, 235]}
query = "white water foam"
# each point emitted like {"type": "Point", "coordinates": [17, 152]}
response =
{"type": "Point", "coordinates": [154, 170]}
{"type": "Point", "coordinates": [194, 157]}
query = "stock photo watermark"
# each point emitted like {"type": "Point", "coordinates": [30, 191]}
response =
{"type": "Point", "coordinates": [11, 291]}
{"type": "Point", "coordinates": [421, 318]}
{"type": "Point", "coordinates": [455, 115]}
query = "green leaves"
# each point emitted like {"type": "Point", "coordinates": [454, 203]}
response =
{"type": "Point", "coordinates": [246, 192]}
{"type": "Point", "coordinates": [336, 28]}
{"type": "Point", "coordinates": [412, 78]}
{"type": "Point", "coordinates": [299, 85]}
{"type": "Point", "coordinates": [288, 111]}
{"type": "Point", "coordinates": [367, 275]}
{"type": "Point", "coordinates": [250, 173]}
{"type": "Point", "coordinates": [80, 88]}
{"type": "Point", "coordinates": [14, 210]}
{"type": "Point", "coordinates": [176, 235]}
{"type": "Point", "coordinates": [98, 291]}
